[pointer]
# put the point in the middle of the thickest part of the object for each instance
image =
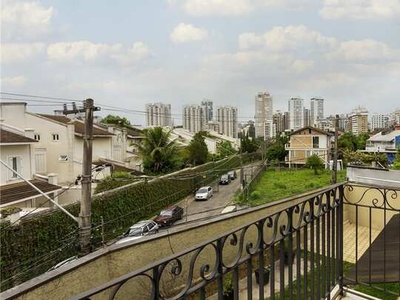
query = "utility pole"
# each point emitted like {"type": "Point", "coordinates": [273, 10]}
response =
{"type": "Point", "coordinates": [335, 152]}
{"type": "Point", "coordinates": [85, 213]}
{"type": "Point", "coordinates": [85, 222]}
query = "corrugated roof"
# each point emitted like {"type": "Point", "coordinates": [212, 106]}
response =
{"type": "Point", "coordinates": [8, 137]}
{"type": "Point", "coordinates": [379, 137]}
{"type": "Point", "coordinates": [22, 190]}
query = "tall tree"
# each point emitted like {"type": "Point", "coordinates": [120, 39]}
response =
{"type": "Point", "coordinates": [158, 152]}
{"type": "Point", "coordinates": [225, 149]}
{"type": "Point", "coordinates": [198, 151]}
{"type": "Point", "coordinates": [276, 151]}
{"type": "Point", "coordinates": [117, 120]}
{"type": "Point", "coordinates": [248, 145]}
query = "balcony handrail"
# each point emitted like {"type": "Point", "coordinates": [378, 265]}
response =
{"type": "Point", "coordinates": [332, 196]}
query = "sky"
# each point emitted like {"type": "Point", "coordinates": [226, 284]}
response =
{"type": "Point", "coordinates": [125, 54]}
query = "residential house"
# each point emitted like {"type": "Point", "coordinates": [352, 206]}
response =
{"type": "Point", "coordinates": [305, 142]}
{"type": "Point", "coordinates": [386, 141]}
{"type": "Point", "coordinates": [59, 147]}
{"type": "Point", "coordinates": [16, 150]}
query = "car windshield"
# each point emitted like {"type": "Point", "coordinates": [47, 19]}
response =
{"type": "Point", "coordinates": [203, 190]}
{"type": "Point", "coordinates": [166, 213]}
{"type": "Point", "coordinates": [224, 177]}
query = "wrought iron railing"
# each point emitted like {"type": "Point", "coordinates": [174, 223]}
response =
{"type": "Point", "coordinates": [298, 250]}
{"type": "Point", "coordinates": [373, 221]}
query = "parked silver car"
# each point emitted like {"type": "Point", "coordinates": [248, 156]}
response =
{"type": "Point", "coordinates": [204, 193]}
{"type": "Point", "coordinates": [139, 230]}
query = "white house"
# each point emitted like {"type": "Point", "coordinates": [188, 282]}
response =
{"type": "Point", "coordinates": [384, 142]}
{"type": "Point", "coordinates": [16, 150]}
{"type": "Point", "coordinates": [59, 147]}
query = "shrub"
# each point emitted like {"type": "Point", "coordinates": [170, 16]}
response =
{"type": "Point", "coordinates": [255, 195]}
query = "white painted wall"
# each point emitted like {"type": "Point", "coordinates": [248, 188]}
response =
{"type": "Point", "coordinates": [27, 167]}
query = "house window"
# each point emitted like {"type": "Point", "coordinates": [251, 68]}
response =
{"type": "Point", "coordinates": [315, 141]}
{"type": "Point", "coordinates": [15, 164]}
{"type": "Point", "coordinates": [37, 137]}
{"type": "Point", "coordinates": [56, 137]}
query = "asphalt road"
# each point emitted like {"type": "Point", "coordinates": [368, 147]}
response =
{"type": "Point", "coordinates": [222, 197]}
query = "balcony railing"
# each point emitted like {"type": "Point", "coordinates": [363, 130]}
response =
{"type": "Point", "coordinates": [299, 252]}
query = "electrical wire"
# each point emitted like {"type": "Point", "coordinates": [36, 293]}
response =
{"type": "Point", "coordinates": [36, 208]}
{"type": "Point", "coordinates": [42, 97]}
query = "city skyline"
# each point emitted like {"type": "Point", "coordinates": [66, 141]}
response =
{"type": "Point", "coordinates": [346, 52]}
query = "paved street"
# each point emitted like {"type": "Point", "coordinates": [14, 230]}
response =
{"type": "Point", "coordinates": [223, 196]}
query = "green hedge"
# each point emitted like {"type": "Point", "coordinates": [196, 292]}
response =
{"type": "Point", "coordinates": [39, 242]}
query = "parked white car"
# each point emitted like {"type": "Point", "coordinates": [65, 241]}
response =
{"type": "Point", "coordinates": [139, 230]}
{"type": "Point", "coordinates": [204, 193]}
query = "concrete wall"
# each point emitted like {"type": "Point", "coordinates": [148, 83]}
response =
{"type": "Point", "coordinates": [374, 176]}
{"type": "Point", "coordinates": [23, 152]}
{"type": "Point", "coordinates": [364, 182]}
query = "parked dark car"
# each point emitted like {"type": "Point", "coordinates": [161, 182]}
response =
{"type": "Point", "coordinates": [232, 175]}
{"type": "Point", "coordinates": [225, 179]}
{"type": "Point", "coordinates": [168, 216]}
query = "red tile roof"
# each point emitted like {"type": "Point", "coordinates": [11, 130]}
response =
{"type": "Point", "coordinates": [22, 190]}
{"type": "Point", "coordinates": [79, 125]}
{"type": "Point", "coordinates": [8, 137]}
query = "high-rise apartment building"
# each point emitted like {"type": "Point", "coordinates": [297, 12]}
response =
{"type": "Point", "coordinates": [357, 121]}
{"type": "Point", "coordinates": [227, 119]}
{"type": "Point", "coordinates": [379, 121]}
{"type": "Point", "coordinates": [158, 114]}
{"type": "Point", "coordinates": [208, 105]}
{"type": "Point", "coordinates": [263, 117]}
{"type": "Point", "coordinates": [194, 118]}
{"type": "Point", "coordinates": [296, 113]}
{"type": "Point", "coordinates": [306, 116]}
{"type": "Point", "coordinates": [316, 110]}
{"type": "Point", "coordinates": [395, 116]}
{"type": "Point", "coordinates": [279, 121]}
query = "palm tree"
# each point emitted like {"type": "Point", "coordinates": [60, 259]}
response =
{"type": "Point", "coordinates": [158, 152]}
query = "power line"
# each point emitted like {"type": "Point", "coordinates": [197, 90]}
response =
{"type": "Point", "coordinates": [42, 97]}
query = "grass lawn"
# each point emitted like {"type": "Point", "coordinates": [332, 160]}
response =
{"type": "Point", "coordinates": [275, 185]}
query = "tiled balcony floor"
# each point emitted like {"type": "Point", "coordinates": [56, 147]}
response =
{"type": "Point", "coordinates": [349, 241]}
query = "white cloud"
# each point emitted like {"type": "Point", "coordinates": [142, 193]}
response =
{"type": "Point", "coordinates": [15, 53]}
{"type": "Point", "coordinates": [139, 51]}
{"type": "Point", "coordinates": [361, 50]}
{"type": "Point", "coordinates": [87, 51]}
{"type": "Point", "coordinates": [234, 7]}
{"type": "Point", "coordinates": [327, 81]}
{"type": "Point", "coordinates": [217, 7]}
{"type": "Point", "coordinates": [25, 19]}
{"type": "Point", "coordinates": [360, 9]}
{"type": "Point", "coordinates": [184, 33]}
{"type": "Point", "coordinates": [301, 66]}
{"type": "Point", "coordinates": [287, 38]}
{"type": "Point", "coordinates": [16, 81]}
